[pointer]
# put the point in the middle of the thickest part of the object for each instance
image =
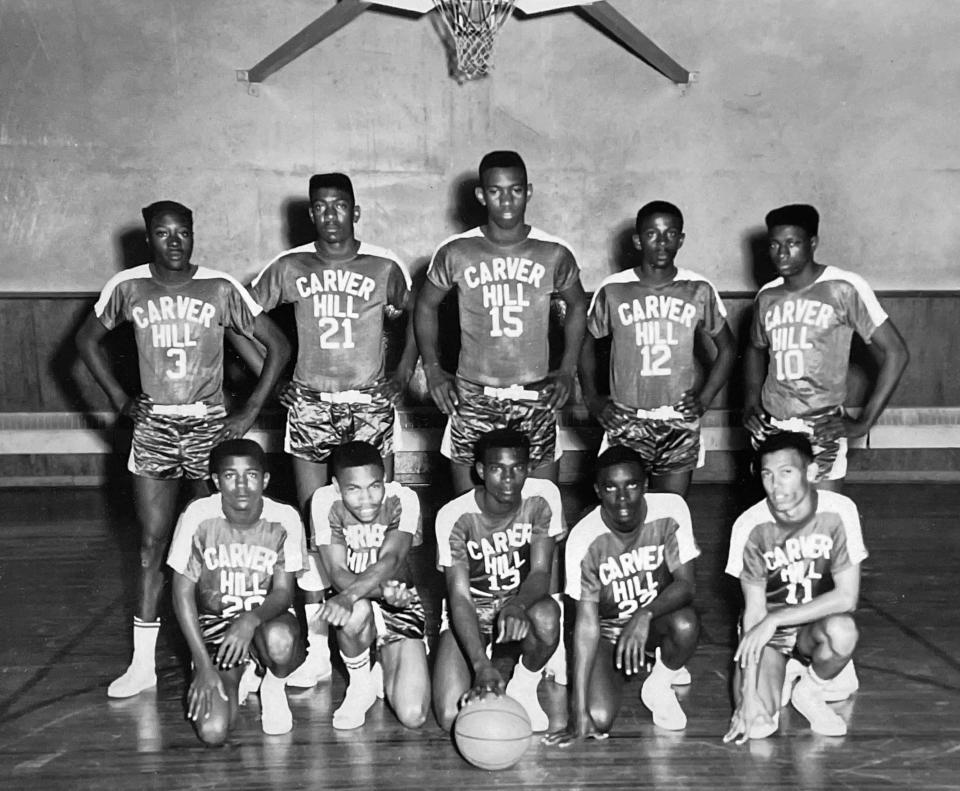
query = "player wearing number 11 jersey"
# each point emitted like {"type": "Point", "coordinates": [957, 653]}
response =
{"type": "Point", "coordinates": [803, 323]}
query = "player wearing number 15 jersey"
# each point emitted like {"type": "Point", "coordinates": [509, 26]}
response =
{"type": "Point", "coordinates": [797, 555]}
{"type": "Point", "coordinates": [629, 568]}
{"type": "Point", "coordinates": [504, 273]}
{"type": "Point", "coordinates": [495, 545]}
{"type": "Point", "coordinates": [803, 322]}
{"type": "Point", "coordinates": [179, 313]}
{"type": "Point", "coordinates": [654, 314]}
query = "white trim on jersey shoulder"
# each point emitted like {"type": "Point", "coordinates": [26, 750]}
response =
{"type": "Point", "coordinates": [548, 490]}
{"type": "Point", "coordinates": [409, 507]}
{"type": "Point", "coordinates": [696, 277]}
{"type": "Point", "coordinates": [584, 533]}
{"type": "Point", "coordinates": [875, 310]}
{"type": "Point", "coordinates": [196, 512]}
{"type": "Point", "coordinates": [321, 502]}
{"type": "Point", "coordinates": [141, 272]}
{"type": "Point", "coordinates": [756, 515]}
{"type": "Point", "coordinates": [289, 518]}
{"type": "Point", "coordinates": [542, 236]}
{"type": "Point", "coordinates": [205, 273]}
{"type": "Point", "coordinates": [366, 248]}
{"type": "Point", "coordinates": [309, 247]}
{"type": "Point", "coordinates": [834, 502]}
{"type": "Point", "coordinates": [472, 233]}
{"type": "Point", "coordinates": [666, 505]}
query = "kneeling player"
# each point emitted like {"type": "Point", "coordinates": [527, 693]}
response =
{"type": "Point", "coordinates": [363, 529]}
{"type": "Point", "coordinates": [495, 545]}
{"type": "Point", "coordinates": [629, 566]}
{"type": "Point", "coordinates": [785, 550]}
{"type": "Point", "coordinates": [235, 554]}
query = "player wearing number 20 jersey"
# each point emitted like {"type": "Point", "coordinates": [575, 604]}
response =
{"type": "Point", "coordinates": [178, 329]}
{"type": "Point", "coordinates": [623, 573]}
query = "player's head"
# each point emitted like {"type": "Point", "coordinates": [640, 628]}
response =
{"type": "Point", "coordinates": [169, 227]}
{"type": "Point", "coordinates": [787, 470]}
{"type": "Point", "coordinates": [503, 463]}
{"type": "Point", "coordinates": [357, 472]}
{"type": "Point", "coordinates": [659, 234]}
{"type": "Point", "coordinates": [238, 468]}
{"type": "Point", "coordinates": [793, 235]}
{"type": "Point", "coordinates": [504, 189]}
{"type": "Point", "coordinates": [333, 208]}
{"type": "Point", "coordinates": [620, 481]}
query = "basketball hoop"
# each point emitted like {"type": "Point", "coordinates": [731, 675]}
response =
{"type": "Point", "coordinates": [473, 25]}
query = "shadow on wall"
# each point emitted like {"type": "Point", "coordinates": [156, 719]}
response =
{"type": "Point", "coordinates": [466, 211]}
{"type": "Point", "coordinates": [757, 257]}
{"type": "Point", "coordinates": [131, 247]}
{"type": "Point", "coordinates": [298, 228]}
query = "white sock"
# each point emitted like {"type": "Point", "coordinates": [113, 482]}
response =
{"type": "Point", "coordinates": [317, 630]}
{"type": "Point", "coordinates": [525, 677]}
{"type": "Point", "coordinates": [660, 674]}
{"type": "Point", "coordinates": [145, 643]}
{"type": "Point", "coordinates": [358, 667]}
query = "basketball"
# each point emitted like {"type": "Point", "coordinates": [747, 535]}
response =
{"type": "Point", "coordinates": [492, 732]}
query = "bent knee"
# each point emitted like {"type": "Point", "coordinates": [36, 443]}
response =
{"type": "Point", "coordinates": [842, 633]}
{"type": "Point", "coordinates": [413, 715]}
{"type": "Point", "coordinates": [544, 615]}
{"type": "Point", "coordinates": [684, 625]}
{"type": "Point", "coordinates": [279, 640]}
{"type": "Point", "coordinates": [213, 730]}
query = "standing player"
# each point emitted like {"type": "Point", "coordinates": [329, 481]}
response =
{"type": "Point", "coordinates": [504, 273]}
{"type": "Point", "coordinates": [341, 290]}
{"type": "Point", "coordinates": [364, 529]}
{"type": "Point", "coordinates": [495, 545]}
{"type": "Point", "coordinates": [235, 554]}
{"type": "Point", "coordinates": [797, 555]}
{"type": "Point", "coordinates": [654, 313]}
{"type": "Point", "coordinates": [179, 312]}
{"type": "Point", "coordinates": [804, 321]}
{"type": "Point", "coordinates": [629, 566]}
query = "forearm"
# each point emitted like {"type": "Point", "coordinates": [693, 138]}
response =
{"type": "Point", "coordinates": [463, 614]}
{"type": "Point", "coordinates": [185, 608]}
{"type": "Point", "coordinates": [93, 355]}
{"type": "Point", "coordinates": [252, 353]}
{"type": "Point", "coordinates": [719, 374]}
{"type": "Point", "coordinates": [426, 330]}
{"type": "Point", "coordinates": [677, 594]}
{"type": "Point", "coordinates": [887, 380]}
{"type": "Point", "coordinates": [574, 328]}
{"type": "Point", "coordinates": [366, 584]}
{"type": "Point", "coordinates": [833, 602]}
{"type": "Point", "coordinates": [408, 358]}
{"type": "Point", "coordinates": [586, 636]}
{"type": "Point", "coordinates": [278, 354]}
{"type": "Point", "coordinates": [275, 603]}
{"type": "Point", "coordinates": [534, 588]}
{"type": "Point", "coordinates": [588, 367]}
{"type": "Point", "coordinates": [754, 372]}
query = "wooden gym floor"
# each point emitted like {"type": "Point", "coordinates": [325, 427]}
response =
{"type": "Point", "coordinates": [67, 559]}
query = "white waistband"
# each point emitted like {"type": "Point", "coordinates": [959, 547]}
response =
{"type": "Point", "coordinates": [792, 424]}
{"type": "Point", "coordinates": [198, 409]}
{"type": "Point", "coordinates": [511, 393]}
{"type": "Point", "coordinates": [347, 397]}
{"type": "Point", "coordinates": [660, 413]}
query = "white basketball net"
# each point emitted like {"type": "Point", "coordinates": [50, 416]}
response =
{"type": "Point", "coordinates": [473, 24]}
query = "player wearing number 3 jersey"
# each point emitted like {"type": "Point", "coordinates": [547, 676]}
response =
{"type": "Point", "coordinates": [179, 313]}
{"type": "Point", "coordinates": [504, 273]}
{"type": "Point", "coordinates": [803, 323]}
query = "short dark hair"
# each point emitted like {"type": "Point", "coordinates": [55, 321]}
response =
{"type": "Point", "coordinates": [355, 454]}
{"type": "Point", "coordinates": [165, 207]}
{"type": "Point", "coordinates": [785, 440]}
{"type": "Point", "coordinates": [802, 215]}
{"type": "Point", "coordinates": [500, 438]}
{"type": "Point", "coordinates": [337, 181]}
{"type": "Point", "coordinates": [658, 207]}
{"type": "Point", "coordinates": [501, 159]}
{"type": "Point", "coordinates": [614, 455]}
{"type": "Point", "coordinates": [236, 447]}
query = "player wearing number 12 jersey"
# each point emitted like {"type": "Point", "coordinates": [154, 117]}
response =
{"type": "Point", "coordinates": [629, 568]}
{"type": "Point", "coordinates": [803, 323]}
{"type": "Point", "coordinates": [179, 313]}
{"type": "Point", "coordinates": [495, 545]}
{"type": "Point", "coordinates": [797, 555]}
{"type": "Point", "coordinates": [655, 313]}
{"type": "Point", "coordinates": [504, 272]}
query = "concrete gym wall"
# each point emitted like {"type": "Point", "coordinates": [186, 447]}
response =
{"type": "Point", "coordinates": [109, 104]}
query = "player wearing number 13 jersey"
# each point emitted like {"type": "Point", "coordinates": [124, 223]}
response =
{"type": "Point", "coordinates": [179, 313]}
{"type": "Point", "coordinates": [495, 545]}
{"type": "Point", "coordinates": [797, 554]}
{"type": "Point", "coordinates": [504, 273]}
{"type": "Point", "coordinates": [803, 322]}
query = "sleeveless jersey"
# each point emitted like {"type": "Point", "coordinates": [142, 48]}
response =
{"type": "Point", "coordinates": [339, 307]}
{"type": "Point", "coordinates": [496, 549]}
{"type": "Point", "coordinates": [334, 524]}
{"type": "Point", "coordinates": [808, 334]}
{"type": "Point", "coordinates": [178, 329]}
{"type": "Point", "coordinates": [653, 329]}
{"type": "Point", "coordinates": [624, 573]}
{"type": "Point", "coordinates": [504, 301]}
{"type": "Point", "coordinates": [233, 565]}
{"type": "Point", "coordinates": [796, 562]}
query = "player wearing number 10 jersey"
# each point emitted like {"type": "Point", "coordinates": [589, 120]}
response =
{"type": "Point", "coordinates": [654, 313]}
{"type": "Point", "coordinates": [179, 313]}
{"type": "Point", "coordinates": [804, 321]}
{"type": "Point", "coordinates": [504, 272]}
